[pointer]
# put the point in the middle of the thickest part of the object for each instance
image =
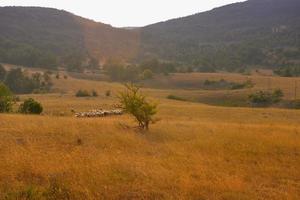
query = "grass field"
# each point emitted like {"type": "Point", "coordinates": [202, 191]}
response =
{"type": "Point", "coordinates": [195, 151]}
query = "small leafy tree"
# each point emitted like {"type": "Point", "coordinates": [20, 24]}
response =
{"type": "Point", "coordinates": [6, 99]}
{"type": "Point", "coordinates": [30, 106]}
{"type": "Point", "coordinates": [147, 74]}
{"type": "Point", "coordinates": [135, 103]}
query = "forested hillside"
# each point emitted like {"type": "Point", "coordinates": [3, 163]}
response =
{"type": "Point", "coordinates": [49, 38]}
{"type": "Point", "coordinates": [256, 32]}
{"type": "Point", "coordinates": [236, 37]}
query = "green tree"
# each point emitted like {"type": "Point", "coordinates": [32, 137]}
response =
{"type": "Point", "coordinates": [18, 82]}
{"type": "Point", "coordinates": [147, 74]}
{"type": "Point", "coordinates": [136, 104]}
{"type": "Point", "coordinates": [6, 99]}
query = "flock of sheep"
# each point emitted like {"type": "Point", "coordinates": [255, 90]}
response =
{"type": "Point", "coordinates": [99, 113]}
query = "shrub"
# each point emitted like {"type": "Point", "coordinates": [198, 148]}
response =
{"type": "Point", "coordinates": [238, 86]}
{"type": "Point", "coordinates": [30, 106]}
{"type": "Point", "coordinates": [6, 99]}
{"type": "Point", "coordinates": [266, 98]}
{"type": "Point", "coordinates": [94, 93]}
{"type": "Point", "coordinates": [135, 103]}
{"type": "Point", "coordinates": [173, 97]}
{"type": "Point", "coordinates": [83, 93]}
{"type": "Point", "coordinates": [108, 93]}
{"type": "Point", "coordinates": [147, 74]}
{"type": "Point", "coordinates": [277, 95]}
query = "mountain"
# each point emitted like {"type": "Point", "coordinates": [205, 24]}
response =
{"type": "Point", "coordinates": [28, 33]}
{"type": "Point", "coordinates": [254, 28]}
{"type": "Point", "coordinates": [255, 33]}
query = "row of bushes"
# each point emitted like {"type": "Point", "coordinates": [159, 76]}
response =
{"type": "Point", "coordinates": [258, 99]}
{"type": "Point", "coordinates": [93, 93]}
{"type": "Point", "coordinates": [223, 84]}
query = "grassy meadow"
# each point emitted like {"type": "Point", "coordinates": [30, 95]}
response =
{"type": "Point", "coordinates": [195, 151]}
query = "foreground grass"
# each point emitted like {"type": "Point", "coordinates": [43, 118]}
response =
{"type": "Point", "coordinates": [194, 152]}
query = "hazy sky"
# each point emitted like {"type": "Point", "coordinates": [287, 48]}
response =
{"type": "Point", "coordinates": [125, 12]}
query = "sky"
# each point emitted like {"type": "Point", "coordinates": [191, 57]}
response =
{"type": "Point", "coordinates": [125, 13]}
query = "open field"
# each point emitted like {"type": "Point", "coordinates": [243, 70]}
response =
{"type": "Point", "coordinates": [195, 151]}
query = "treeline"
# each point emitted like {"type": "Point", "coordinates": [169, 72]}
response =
{"type": "Point", "coordinates": [119, 71]}
{"type": "Point", "coordinates": [19, 82]}
{"type": "Point", "coordinates": [236, 58]}
{"type": "Point", "coordinates": [27, 55]}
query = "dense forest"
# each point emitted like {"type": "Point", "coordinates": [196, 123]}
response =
{"type": "Point", "coordinates": [236, 37]}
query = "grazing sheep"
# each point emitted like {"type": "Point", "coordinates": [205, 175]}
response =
{"type": "Point", "coordinates": [98, 113]}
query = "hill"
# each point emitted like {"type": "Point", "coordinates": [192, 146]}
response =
{"type": "Point", "coordinates": [235, 37]}
{"type": "Point", "coordinates": [34, 36]}
{"type": "Point", "coordinates": [255, 32]}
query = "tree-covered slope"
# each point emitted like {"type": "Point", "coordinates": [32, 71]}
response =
{"type": "Point", "coordinates": [237, 36]}
{"type": "Point", "coordinates": [247, 31]}
{"type": "Point", "coordinates": [42, 36]}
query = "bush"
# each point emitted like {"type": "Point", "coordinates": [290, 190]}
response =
{"type": "Point", "coordinates": [266, 98]}
{"type": "Point", "coordinates": [108, 93]}
{"type": "Point", "coordinates": [277, 95]}
{"type": "Point", "coordinates": [94, 93]}
{"type": "Point", "coordinates": [173, 97]}
{"type": "Point", "coordinates": [133, 102]}
{"type": "Point", "coordinates": [30, 106]}
{"type": "Point", "coordinates": [6, 99]}
{"type": "Point", "coordinates": [147, 74]}
{"type": "Point", "coordinates": [238, 86]}
{"type": "Point", "coordinates": [83, 93]}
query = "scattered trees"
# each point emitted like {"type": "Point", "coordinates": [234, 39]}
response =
{"type": "Point", "coordinates": [21, 83]}
{"type": "Point", "coordinates": [135, 103]}
{"type": "Point", "coordinates": [118, 71]}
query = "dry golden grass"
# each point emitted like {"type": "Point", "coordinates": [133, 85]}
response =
{"type": "Point", "coordinates": [194, 152]}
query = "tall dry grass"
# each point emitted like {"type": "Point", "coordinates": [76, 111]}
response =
{"type": "Point", "coordinates": [194, 152]}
